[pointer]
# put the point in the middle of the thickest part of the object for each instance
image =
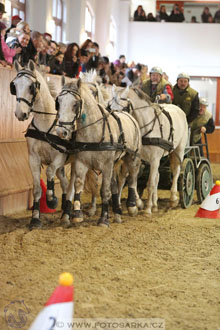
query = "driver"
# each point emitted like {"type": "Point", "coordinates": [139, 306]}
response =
{"type": "Point", "coordinates": [157, 87]}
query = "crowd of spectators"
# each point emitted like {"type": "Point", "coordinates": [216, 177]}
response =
{"type": "Point", "coordinates": [19, 42]}
{"type": "Point", "coordinates": [176, 15]}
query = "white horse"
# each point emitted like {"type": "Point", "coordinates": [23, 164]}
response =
{"type": "Point", "coordinates": [33, 96]}
{"type": "Point", "coordinates": [101, 139]}
{"type": "Point", "coordinates": [164, 130]}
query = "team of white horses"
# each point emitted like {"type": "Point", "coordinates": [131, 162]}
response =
{"type": "Point", "coordinates": [96, 128]}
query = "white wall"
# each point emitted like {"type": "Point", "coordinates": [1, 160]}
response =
{"type": "Point", "coordinates": [176, 47]}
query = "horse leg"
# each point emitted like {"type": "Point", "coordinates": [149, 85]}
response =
{"type": "Point", "coordinates": [152, 185]}
{"type": "Point", "coordinates": [79, 185]}
{"type": "Point", "coordinates": [106, 195]}
{"type": "Point", "coordinates": [64, 184]}
{"type": "Point", "coordinates": [35, 166]}
{"type": "Point", "coordinates": [175, 168]}
{"type": "Point", "coordinates": [155, 195]}
{"type": "Point", "coordinates": [52, 200]}
{"type": "Point", "coordinates": [133, 170]}
{"type": "Point", "coordinates": [67, 211]}
{"type": "Point", "coordinates": [116, 208]}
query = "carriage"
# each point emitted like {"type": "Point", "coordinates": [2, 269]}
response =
{"type": "Point", "coordinates": [195, 175]}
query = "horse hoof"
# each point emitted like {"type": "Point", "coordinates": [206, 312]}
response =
{"type": "Point", "coordinates": [174, 203]}
{"type": "Point", "coordinates": [117, 218]}
{"type": "Point", "coordinates": [91, 212]}
{"type": "Point", "coordinates": [65, 222]}
{"type": "Point", "coordinates": [140, 204]}
{"type": "Point", "coordinates": [132, 211]}
{"type": "Point", "coordinates": [147, 213]}
{"type": "Point", "coordinates": [77, 216]}
{"type": "Point", "coordinates": [53, 203]}
{"type": "Point", "coordinates": [154, 209]}
{"type": "Point", "coordinates": [35, 223]}
{"type": "Point", "coordinates": [103, 222]}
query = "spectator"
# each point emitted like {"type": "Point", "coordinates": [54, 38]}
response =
{"type": "Point", "coordinates": [57, 65]}
{"type": "Point", "coordinates": [83, 59]}
{"type": "Point", "coordinates": [94, 59]}
{"type": "Point", "coordinates": [51, 52]}
{"type": "Point", "coordinates": [205, 15]}
{"type": "Point", "coordinates": [156, 85]}
{"type": "Point", "coordinates": [14, 21]}
{"type": "Point", "coordinates": [122, 60]}
{"type": "Point", "coordinates": [62, 47]}
{"type": "Point", "coordinates": [139, 14]}
{"type": "Point", "coordinates": [203, 123]}
{"type": "Point", "coordinates": [151, 18]}
{"type": "Point", "coordinates": [42, 58]}
{"type": "Point", "coordinates": [47, 36]}
{"type": "Point", "coordinates": [210, 19]}
{"type": "Point", "coordinates": [193, 19]}
{"type": "Point", "coordinates": [22, 41]}
{"type": "Point", "coordinates": [2, 10]}
{"type": "Point", "coordinates": [176, 14]}
{"type": "Point", "coordinates": [217, 15]}
{"type": "Point", "coordinates": [103, 70]}
{"type": "Point", "coordinates": [162, 15]}
{"type": "Point", "coordinates": [186, 97]}
{"type": "Point", "coordinates": [71, 60]}
{"type": "Point", "coordinates": [8, 53]}
{"type": "Point", "coordinates": [35, 45]}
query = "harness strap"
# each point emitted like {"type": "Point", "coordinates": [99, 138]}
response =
{"type": "Point", "coordinates": [122, 135]}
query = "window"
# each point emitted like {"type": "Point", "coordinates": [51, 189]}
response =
{"type": "Point", "coordinates": [112, 40]}
{"type": "Point", "coordinates": [57, 13]}
{"type": "Point", "coordinates": [15, 7]}
{"type": "Point", "coordinates": [209, 88]}
{"type": "Point", "coordinates": [89, 23]}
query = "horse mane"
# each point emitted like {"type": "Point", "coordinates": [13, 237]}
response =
{"type": "Point", "coordinates": [142, 95]}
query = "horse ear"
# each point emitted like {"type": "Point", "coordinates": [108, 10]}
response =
{"type": "Point", "coordinates": [18, 67]}
{"type": "Point", "coordinates": [31, 65]}
{"type": "Point", "coordinates": [63, 81]}
{"type": "Point", "coordinates": [114, 90]}
{"type": "Point", "coordinates": [79, 82]}
{"type": "Point", "coordinates": [125, 93]}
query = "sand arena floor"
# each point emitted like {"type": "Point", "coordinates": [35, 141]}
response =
{"type": "Point", "coordinates": [166, 266]}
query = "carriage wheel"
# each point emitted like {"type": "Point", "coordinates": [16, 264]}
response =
{"type": "Point", "coordinates": [204, 181]}
{"type": "Point", "coordinates": [187, 183]}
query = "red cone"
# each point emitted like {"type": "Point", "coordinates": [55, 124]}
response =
{"type": "Point", "coordinates": [58, 311]}
{"type": "Point", "coordinates": [210, 206]}
{"type": "Point", "coordinates": [43, 201]}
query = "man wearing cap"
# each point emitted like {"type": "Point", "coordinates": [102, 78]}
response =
{"type": "Point", "coordinates": [157, 87]}
{"type": "Point", "coordinates": [186, 97]}
{"type": "Point", "coordinates": [203, 123]}
{"type": "Point", "coordinates": [14, 21]}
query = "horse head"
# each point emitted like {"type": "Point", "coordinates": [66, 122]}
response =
{"type": "Point", "coordinates": [25, 86]}
{"type": "Point", "coordinates": [69, 108]}
{"type": "Point", "coordinates": [120, 100]}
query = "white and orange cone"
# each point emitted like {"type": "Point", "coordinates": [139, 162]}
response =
{"type": "Point", "coordinates": [210, 206]}
{"type": "Point", "coordinates": [59, 308]}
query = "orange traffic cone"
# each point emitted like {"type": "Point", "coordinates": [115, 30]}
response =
{"type": "Point", "coordinates": [59, 308]}
{"type": "Point", "coordinates": [210, 206]}
{"type": "Point", "coordinates": [43, 201]}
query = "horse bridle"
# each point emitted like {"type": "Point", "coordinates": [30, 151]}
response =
{"type": "Point", "coordinates": [129, 108]}
{"type": "Point", "coordinates": [33, 88]}
{"type": "Point", "coordinates": [75, 93]}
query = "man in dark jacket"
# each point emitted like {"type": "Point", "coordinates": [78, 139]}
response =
{"type": "Point", "coordinates": [157, 87]}
{"type": "Point", "coordinates": [186, 97]}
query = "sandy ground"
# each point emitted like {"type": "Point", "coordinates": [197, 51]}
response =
{"type": "Point", "coordinates": [166, 266]}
